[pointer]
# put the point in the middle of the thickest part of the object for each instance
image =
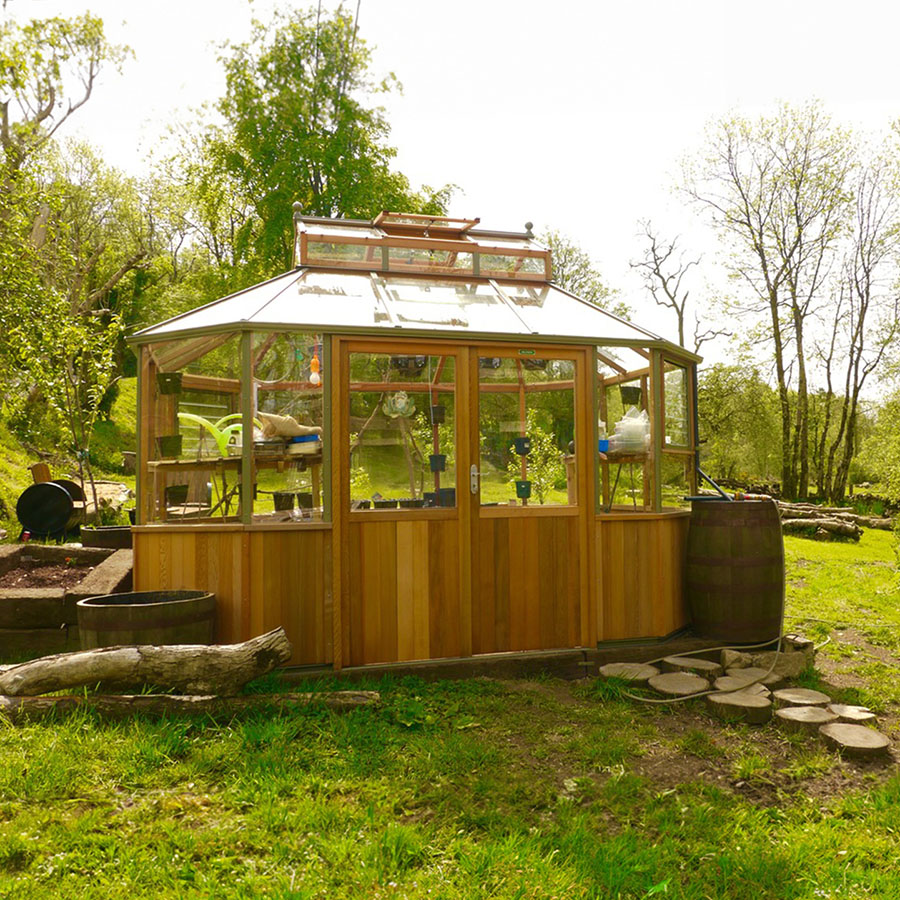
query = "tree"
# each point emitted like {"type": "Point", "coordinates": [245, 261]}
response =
{"type": "Point", "coordinates": [777, 191]}
{"type": "Point", "coordinates": [663, 269]}
{"type": "Point", "coordinates": [301, 127]}
{"type": "Point", "coordinates": [574, 271]}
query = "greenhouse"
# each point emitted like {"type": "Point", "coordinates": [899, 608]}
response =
{"type": "Point", "coordinates": [415, 446]}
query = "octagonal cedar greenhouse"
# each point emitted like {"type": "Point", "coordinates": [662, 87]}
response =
{"type": "Point", "coordinates": [415, 446]}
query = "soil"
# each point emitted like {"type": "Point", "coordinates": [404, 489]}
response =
{"type": "Point", "coordinates": [45, 576]}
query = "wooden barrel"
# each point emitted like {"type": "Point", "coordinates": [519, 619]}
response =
{"type": "Point", "coordinates": [147, 617]}
{"type": "Point", "coordinates": [734, 571]}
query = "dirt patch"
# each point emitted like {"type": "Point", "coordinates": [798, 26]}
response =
{"type": "Point", "coordinates": [44, 576]}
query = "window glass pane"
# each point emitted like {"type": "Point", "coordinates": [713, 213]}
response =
{"type": "Point", "coordinates": [624, 449]}
{"type": "Point", "coordinates": [676, 482]}
{"type": "Point", "coordinates": [496, 265]}
{"type": "Point", "coordinates": [288, 390]}
{"type": "Point", "coordinates": [527, 423]}
{"type": "Point", "coordinates": [345, 254]}
{"type": "Point", "coordinates": [421, 259]}
{"type": "Point", "coordinates": [194, 464]}
{"type": "Point", "coordinates": [677, 424]}
{"type": "Point", "coordinates": [402, 431]}
{"type": "Point", "coordinates": [447, 303]}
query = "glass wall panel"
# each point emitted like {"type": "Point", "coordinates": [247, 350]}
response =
{"type": "Point", "coordinates": [677, 415]}
{"type": "Point", "coordinates": [288, 447]}
{"type": "Point", "coordinates": [194, 424]}
{"type": "Point", "coordinates": [625, 452]}
{"type": "Point", "coordinates": [526, 417]}
{"type": "Point", "coordinates": [676, 480]}
{"type": "Point", "coordinates": [402, 430]}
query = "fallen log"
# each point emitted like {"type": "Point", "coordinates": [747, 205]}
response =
{"type": "Point", "coordinates": [20, 709]}
{"type": "Point", "coordinates": [184, 668]}
{"type": "Point", "coordinates": [811, 511]}
{"type": "Point", "coordinates": [822, 527]}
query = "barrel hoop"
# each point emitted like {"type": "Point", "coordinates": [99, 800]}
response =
{"type": "Point", "coordinates": [727, 590]}
{"type": "Point", "coordinates": [729, 523]}
{"type": "Point", "coordinates": [732, 562]}
{"type": "Point", "coordinates": [151, 624]}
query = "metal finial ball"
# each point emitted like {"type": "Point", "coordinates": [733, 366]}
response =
{"type": "Point", "coordinates": [529, 226]}
{"type": "Point", "coordinates": [297, 206]}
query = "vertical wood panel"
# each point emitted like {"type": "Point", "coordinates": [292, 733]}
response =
{"type": "Point", "coordinates": [640, 565]}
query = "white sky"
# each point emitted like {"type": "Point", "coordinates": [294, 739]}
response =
{"type": "Point", "coordinates": [573, 115]}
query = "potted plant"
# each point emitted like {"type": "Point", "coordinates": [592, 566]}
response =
{"type": "Point", "coordinates": [523, 489]}
{"type": "Point", "coordinates": [630, 394]}
{"type": "Point", "coordinates": [437, 462]}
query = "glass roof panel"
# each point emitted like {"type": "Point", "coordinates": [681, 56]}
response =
{"type": "Point", "coordinates": [434, 303]}
{"type": "Point", "coordinates": [548, 310]}
{"type": "Point", "coordinates": [314, 229]}
{"type": "Point", "coordinates": [321, 299]}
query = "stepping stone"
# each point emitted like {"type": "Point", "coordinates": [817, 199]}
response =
{"type": "Point", "coordinates": [731, 683]}
{"type": "Point", "coordinates": [754, 673]}
{"type": "Point", "coordinates": [740, 706]}
{"type": "Point", "coordinates": [678, 684]}
{"type": "Point", "coordinates": [640, 673]}
{"type": "Point", "coordinates": [806, 719]}
{"type": "Point", "coordinates": [698, 666]}
{"type": "Point", "coordinates": [852, 715]}
{"type": "Point", "coordinates": [800, 697]}
{"type": "Point", "coordinates": [855, 740]}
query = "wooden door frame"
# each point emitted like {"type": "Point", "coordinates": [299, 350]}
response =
{"type": "Point", "coordinates": [585, 472]}
{"type": "Point", "coordinates": [341, 513]}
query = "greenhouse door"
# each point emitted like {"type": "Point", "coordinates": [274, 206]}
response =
{"type": "Point", "coordinates": [402, 485]}
{"type": "Point", "coordinates": [529, 493]}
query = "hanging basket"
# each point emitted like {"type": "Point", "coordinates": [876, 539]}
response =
{"type": "Point", "coordinates": [168, 382]}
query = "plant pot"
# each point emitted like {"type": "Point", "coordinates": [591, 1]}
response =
{"type": "Point", "coordinates": [147, 617]}
{"type": "Point", "coordinates": [284, 500]}
{"type": "Point", "coordinates": [447, 497]}
{"type": "Point", "coordinates": [431, 498]}
{"type": "Point", "coordinates": [437, 462]}
{"type": "Point", "coordinates": [412, 502]}
{"type": "Point", "coordinates": [304, 499]}
{"type": "Point", "coordinates": [522, 445]}
{"type": "Point", "coordinates": [409, 365]}
{"type": "Point", "coordinates": [168, 446]}
{"type": "Point", "coordinates": [361, 504]}
{"type": "Point", "coordinates": [384, 504]}
{"type": "Point", "coordinates": [168, 382]}
{"type": "Point", "coordinates": [176, 494]}
{"type": "Point", "coordinates": [523, 489]}
{"type": "Point", "coordinates": [110, 537]}
{"type": "Point", "coordinates": [630, 394]}
{"type": "Point", "coordinates": [438, 414]}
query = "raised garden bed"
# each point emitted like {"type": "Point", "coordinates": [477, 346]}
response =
{"type": "Point", "coordinates": [39, 587]}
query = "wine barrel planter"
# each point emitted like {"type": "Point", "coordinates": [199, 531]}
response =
{"type": "Point", "coordinates": [734, 571]}
{"type": "Point", "coordinates": [112, 537]}
{"type": "Point", "coordinates": [147, 617]}
{"type": "Point", "coordinates": [48, 509]}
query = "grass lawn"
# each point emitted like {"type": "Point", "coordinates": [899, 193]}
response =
{"type": "Point", "coordinates": [519, 789]}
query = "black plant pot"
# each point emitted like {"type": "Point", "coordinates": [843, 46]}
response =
{"type": "Point", "coordinates": [437, 462]}
{"type": "Point", "coordinates": [412, 502]}
{"type": "Point", "coordinates": [447, 497]}
{"type": "Point", "coordinates": [284, 500]}
{"type": "Point", "coordinates": [362, 504]}
{"type": "Point", "coordinates": [523, 489]}
{"type": "Point", "coordinates": [438, 414]}
{"type": "Point", "coordinates": [522, 445]}
{"type": "Point", "coordinates": [631, 394]}
{"type": "Point", "coordinates": [176, 494]}
{"type": "Point", "coordinates": [304, 499]}
{"type": "Point", "coordinates": [168, 382]}
{"type": "Point", "coordinates": [168, 446]}
{"type": "Point", "coordinates": [384, 504]}
{"type": "Point", "coordinates": [431, 498]}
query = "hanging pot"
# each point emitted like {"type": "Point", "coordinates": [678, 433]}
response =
{"type": "Point", "coordinates": [168, 382]}
{"type": "Point", "coordinates": [523, 489]}
{"type": "Point", "coordinates": [522, 445]}
{"type": "Point", "coordinates": [437, 462]}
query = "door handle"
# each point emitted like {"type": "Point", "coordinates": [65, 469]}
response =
{"type": "Point", "coordinates": [474, 475]}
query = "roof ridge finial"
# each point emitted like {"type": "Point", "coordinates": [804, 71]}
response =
{"type": "Point", "coordinates": [528, 231]}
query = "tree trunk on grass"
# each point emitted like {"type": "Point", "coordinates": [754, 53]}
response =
{"type": "Point", "coordinates": [189, 668]}
{"type": "Point", "coordinates": [18, 709]}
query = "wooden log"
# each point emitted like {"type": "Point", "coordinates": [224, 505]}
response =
{"type": "Point", "coordinates": [678, 684]}
{"type": "Point", "coordinates": [740, 706]}
{"type": "Point", "coordinates": [697, 666]}
{"type": "Point", "coordinates": [824, 526]}
{"type": "Point", "coordinates": [189, 668]}
{"type": "Point", "coordinates": [805, 719]}
{"type": "Point", "coordinates": [20, 709]}
{"type": "Point", "coordinates": [852, 715]}
{"type": "Point", "coordinates": [855, 740]}
{"type": "Point", "coordinates": [800, 697]}
{"type": "Point", "coordinates": [640, 673]}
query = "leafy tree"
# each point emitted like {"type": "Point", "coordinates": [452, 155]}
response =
{"type": "Point", "coordinates": [778, 191]}
{"type": "Point", "coordinates": [301, 127]}
{"type": "Point", "coordinates": [574, 271]}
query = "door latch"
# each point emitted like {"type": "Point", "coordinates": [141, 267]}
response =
{"type": "Point", "coordinates": [474, 475]}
